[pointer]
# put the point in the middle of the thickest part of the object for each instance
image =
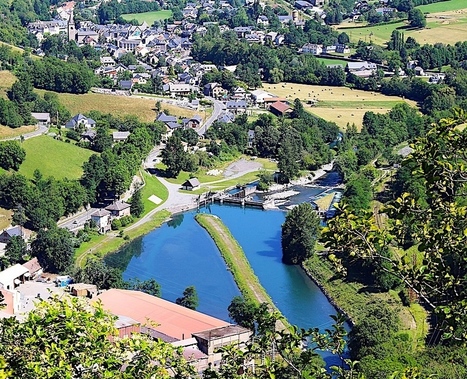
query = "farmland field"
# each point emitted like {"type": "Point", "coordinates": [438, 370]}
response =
{"type": "Point", "coordinates": [148, 17]}
{"type": "Point", "coordinates": [6, 81]}
{"type": "Point", "coordinates": [118, 105]}
{"type": "Point", "coordinates": [329, 61]}
{"type": "Point", "coordinates": [341, 105]}
{"type": "Point", "coordinates": [449, 26]}
{"type": "Point", "coordinates": [443, 6]}
{"type": "Point", "coordinates": [53, 158]}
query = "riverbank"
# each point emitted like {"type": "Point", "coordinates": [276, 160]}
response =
{"type": "Point", "coordinates": [234, 256]}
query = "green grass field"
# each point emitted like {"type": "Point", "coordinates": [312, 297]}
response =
{"type": "Point", "coordinates": [328, 61]}
{"type": "Point", "coordinates": [53, 158]}
{"type": "Point", "coordinates": [443, 6]}
{"type": "Point", "coordinates": [152, 187]}
{"type": "Point", "coordinates": [148, 17]}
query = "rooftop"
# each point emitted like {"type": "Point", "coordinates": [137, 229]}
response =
{"type": "Point", "coordinates": [172, 319]}
{"type": "Point", "coordinates": [222, 332]}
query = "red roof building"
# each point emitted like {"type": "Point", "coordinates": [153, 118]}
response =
{"type": "Point", "coordinates": [279, 108]}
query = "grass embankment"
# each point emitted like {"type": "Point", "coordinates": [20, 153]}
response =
{"type": "Point", "coordinates": [101, 245]}
{"type": "Point", "coordinates": [352, 298]}
{"type": "Point", "coordinates": [53, 158]}
{"type": "Point", "coordinates": [234, 256]}
{"type": "Point", "coordinates": [148, 17]}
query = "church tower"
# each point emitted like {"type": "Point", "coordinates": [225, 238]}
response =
{"type": "Point", "coordinates": [71, 28]}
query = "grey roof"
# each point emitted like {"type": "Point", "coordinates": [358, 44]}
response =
{"type": "Point", "coordinates": [236, 104]}
{"type": "Point", "coordinates": [120, 135]}
{"type": "Point", "coordinates": [100, 213]}
{"type": "Point", "coordinates": [173, 125]}
{"type": "Point", "coordinates": [118, 206]}
{"type": "Point", "coordinates": [40, 116]}
{"type": "Point", "coordinates": [14, 231]}
{"type": "Point", "coordinates": [77, 119]}
{"type": "Point", "coordinates": [193, 182]}
{"type": "Point", "coordinates": [166, 118]}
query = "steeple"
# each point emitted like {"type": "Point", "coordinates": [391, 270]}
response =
{"type": "Point", "coordinates": [71, 28]}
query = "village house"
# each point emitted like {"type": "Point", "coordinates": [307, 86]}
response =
{"type": "Point", "coordinates": [120, 136]}
{"type": "Point", "coordinates": [193, 122]}
{"type": "Point", "coordinates": [312, 48]}
{"type": "Point", "coordinates": [236, 106]}
{"type": "Point", "coordinates": [119, 209]}
{"type": "Point", "coordinates": [101, 218]}
{"type": "Point", "coordinates": [15, 231]}
{"type": "Point", "coordinates": [13, 276]}
{"type": "Point", "coordinates": [214, 90]}
{"type": "Point", "coordinates": [34, 268]}
{"type": "Point", "coordinates": [80, 121]}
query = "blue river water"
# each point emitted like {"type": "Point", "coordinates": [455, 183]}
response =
{"type": "Point", "coordinates": [181, 253]}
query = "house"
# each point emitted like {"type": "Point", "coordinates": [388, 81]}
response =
{"type": "Point", "coordinates": [361, 66]}
{"type": "Point", "coordinates": [419, 71]}
{"type": "Point", "coordinates": [43, 119]}
{"type": "Point", "coordinates": [126, 85]}
{"type": "Point", "coordinates": [193, 122]}
{"type": "Point", "coordinates": [107, 61]}
{"type": "Point", "coordinates": [178, 89]}
{"type": "Point", "coordinates": [262, 20]}
{"type": "Point", "coordinates": [88, 135]}
{"type": "Point", "coordinates": [279, 108]}
{"type": "Point", "coordinates": [191, 184]}
{"type": "Point", "coordinates": [214, 90]}
{"type": "Point", "coordinates": [83, 289]}
{"type": "Point", "coordinates": [6, 235]}
{"type": "Point", "coordinates": [34, 268]}
{"type": "Point", "coordinates": [342, 49]}
{"type": "Point", "coordinates": [79, 121]}
{"type": "Point", "coordinates": [13, 276]}
{"type": "Point", "coordinates": [239, 93]}
{"type": "Point", "coordinates": [303, 5]}
{"type": "Point", "coordinates": [259, 95]}
{"type": "Point", "coordinates": [312, 48]}
{"type": "Point", "coordinates": [162, 117]}
{"type": "Point", "coordinates": [119, 209]}
{"type": "Point", "coordinates": [120, 136]}
{"type": "Point", "coordinates": [101, 218]}
{"type": "Point", "coordinates": [317, 3]}
{"type": "Point", "coordinates": [236, 106]}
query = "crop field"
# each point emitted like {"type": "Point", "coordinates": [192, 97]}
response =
{"type": "Point", "coordinates": [448, 26]}
{"type": "Point", "coordinates": [53, 158]}
{"type": "Point", "coordinates": [148, 17]}
{"type": "Point", "coordinates": [118, 105]}
{"type": "Point", "coordinates": [341, 105]}
{"type": "Point", "coordinates": [6, 81]}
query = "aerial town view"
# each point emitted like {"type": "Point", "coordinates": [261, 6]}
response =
{"type": "Point", "coordinates": [233, 189]}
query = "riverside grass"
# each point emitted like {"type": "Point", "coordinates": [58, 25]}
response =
{"type": "Point", "coordinates": [234, 256]}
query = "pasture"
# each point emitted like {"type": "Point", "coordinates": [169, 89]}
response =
{"type": "Point", "coordinates": [449, 27]}
{"type": "Point", "coordinates": [53, 158]}
{"type": "Point", "coordinates": [443, 6]}
{"type": "Point", "coordinates": [148, 17]}
{"type": "Point", "coordinates": [6, 81]}
{"type": "Point", "coordinates": [330, 61]}
{"type": "Point", "coordinates": [341, 105]}
{"type": "Point", "coordinates": [144, 108]}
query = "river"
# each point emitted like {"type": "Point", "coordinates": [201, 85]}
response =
{"type": "Point", "coordinates": [180, 253]}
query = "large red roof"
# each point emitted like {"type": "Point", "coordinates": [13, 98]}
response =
{"type": "Point", "coordinates": [171, 319]}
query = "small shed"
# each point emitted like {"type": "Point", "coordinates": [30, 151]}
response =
{"type": "Point", "coordinates": [83, 289]}
{"type": "Point", "coordinates": [191, 184]}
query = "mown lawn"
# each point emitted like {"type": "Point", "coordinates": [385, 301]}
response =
{"type": "Point", "coordinates": [148, 17]}
{"type": "Point", "coordinates": [53, 158]}
{"type": "Point", "coordinates": [152, 187]}
{"type": "Point", "coordinates": [329, 61]}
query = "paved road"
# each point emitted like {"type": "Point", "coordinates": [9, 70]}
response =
{"type": "Point", "coordinates": [39, 131]}
{"type": "Point", "coordinates": [76, 221]}
{"type": "Point", "coordinates": [218, 108]}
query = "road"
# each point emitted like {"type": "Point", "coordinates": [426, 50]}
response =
{"type": "Point", "coordinates": [218, 108]}
{"type": "Point", "coordinates": [39, 131]}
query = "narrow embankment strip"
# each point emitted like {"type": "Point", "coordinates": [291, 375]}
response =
{"type": "Point", "coordinates": [235, 258]}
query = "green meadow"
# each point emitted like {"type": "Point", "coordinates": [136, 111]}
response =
{"type": "Point", "coordinates": [148, 17]}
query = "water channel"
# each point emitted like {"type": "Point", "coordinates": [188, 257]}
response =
{"type": "Point", "coordinates": [181, 253]}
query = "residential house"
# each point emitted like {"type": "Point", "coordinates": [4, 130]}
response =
{"type": "Point", "coordinates": [80, 121]}
{"type": "Point", "coordinates": [88, 135]}
{"type": "Point", "coordinates": [34, 268]}
{"type": "Point", "coordinates": [126, 85]}
{"type": "Point", "coordinates": [214, 90]}
{"type": "Point", "coordinates": [101, 218]}
{"type": "Point", "coordinates": [85, 36]}
{"type": "Point", "coordinates": [178, 89]}
{"type": "Point", "coordinates": [238, 93]}
{"type": "Point", "coordinates": [119, 209]}
{"type": "Point", "coordinates": [419, 71]}
{"type": "Point", "coordinates": [279, 108]}
{"type": "Point", "coordinates": [226, 117]}
{"type": "Point", "coordinates": [120, 136]}
{"type": "Point", "coordinates": [285, 19]}
{"type": "Point", "coordinates": [16, 231]}
{"type": "Point", "coordinates": [107, 61]}
{"type": "Point", "coordinates": [236, 106]}
{"type": "Point", "coordinates": [312, 48]}
{"type": "Point", "coordinates": [43, 119]}
{"type": "Point", "coordinates": [193, 122]}
{"type": "Point", "coordinates": [361, 66]}
{"type": "Point", "coordinates": [317, 3]}
{"type": "Point", "coordinates": [342, 48]}
{"type": "Point", "coordinates": [191, 184]}
{"type": "Point", "coordinates": [251, 138]}
{"type": "Point", "coordinates": [303, 5]}
{"type": "Point", "coordinates": [243, 30]}
{"type": "Point", "coordinates": [162, 117]}
{"type": "Point", "coordinates": [262, 20]}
